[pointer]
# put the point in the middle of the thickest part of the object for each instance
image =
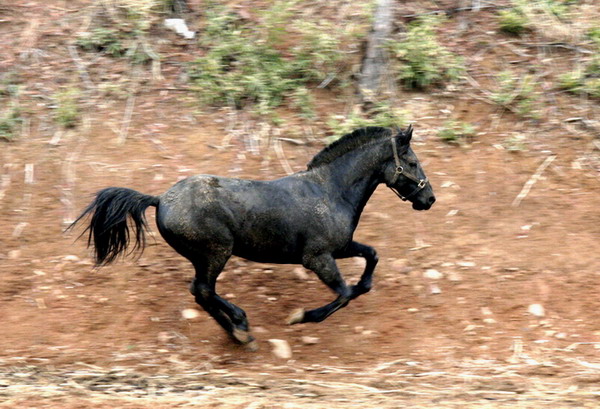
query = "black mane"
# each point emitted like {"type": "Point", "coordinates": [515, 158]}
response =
{"type": "Point", "coordinates": [347, 143]}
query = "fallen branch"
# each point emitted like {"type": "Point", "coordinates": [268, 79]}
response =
{"type": "Point", "coordinates": [292, 141]}
{"type": "Point", "coordinates": [127, 118]}
{"type": "Point", "coordinates": [281, 156]}
{"type": "Point", "coordinates": [559, 45]}
{"type": "Point", "coordinates": [455, 10]}
{"type": "Point", "coordinates": [532, 180]}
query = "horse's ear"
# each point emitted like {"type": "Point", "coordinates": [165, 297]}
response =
{"type": "Point", "coordinates": [405, 136]}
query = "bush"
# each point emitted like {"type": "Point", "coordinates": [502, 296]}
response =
{"type": "Point", "coordinates": [10, 121]}
{"type": "Point", "coordinates": [381, 114]}
{"type": "Point", "coordinates": [538, 15]}
{"type": "Point", "coordinates": [239, 71]}
{"type": "Point", "coordinates": [517, 94]}
{"type": "Point", "coordinates": [320, 54]}
{"type": "Point", "coordinates": [420, 60]}
{"type": "Point", "coordinates": [594, 35]}
{"type": "Point", "coordinates": [585, 80]}
{"type": "Point", "coordinates": [513, 21]}
{"type": "Point", "coordinates": [102, 40]}
{"type": "Point", "coordinates": [244, 65]}
{"type": "Point", "coordinates": [457, 132]}
{"type": "Point", "coordinates": [67, 109]}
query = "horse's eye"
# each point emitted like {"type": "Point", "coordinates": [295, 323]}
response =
{"type": "Point", "coordinates": [412, 164]}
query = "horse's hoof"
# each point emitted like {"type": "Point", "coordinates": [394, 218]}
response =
{"type": "Point", "coordinates": [296, 317]}
{"type": "Point", "coordinates": [252, 346]}
{"type": "Point", "coordinates": [243, 337]}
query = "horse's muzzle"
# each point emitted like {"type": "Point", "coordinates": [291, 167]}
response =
{"type": "Point", "coordinates": [426, 205]}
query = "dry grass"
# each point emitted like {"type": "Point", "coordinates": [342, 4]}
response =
{"type": "Point", "coordinates": [483, 384]}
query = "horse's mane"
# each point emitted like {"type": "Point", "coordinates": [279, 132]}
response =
{"type": "Point", "coordinates": [347, 143]}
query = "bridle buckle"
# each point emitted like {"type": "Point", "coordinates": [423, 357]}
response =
{"type": "Point", "coordinates": [400, 171]}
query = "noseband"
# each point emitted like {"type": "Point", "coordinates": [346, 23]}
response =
{"type": "Point", "coordinates": [400, 171]}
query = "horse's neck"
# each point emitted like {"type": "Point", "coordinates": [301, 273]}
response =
{"type": "Point", "coordinates": [354, 177]}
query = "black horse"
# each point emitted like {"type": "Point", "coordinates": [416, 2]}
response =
{"type": "Point", "coordinates": [307, 218]}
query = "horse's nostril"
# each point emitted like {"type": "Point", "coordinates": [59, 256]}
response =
{"type": "Point", "coordinates": [431, 200]}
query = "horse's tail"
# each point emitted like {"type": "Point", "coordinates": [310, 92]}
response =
{"type": "Point", "coordinates": [110, 232]}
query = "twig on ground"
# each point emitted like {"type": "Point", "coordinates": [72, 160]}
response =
{"type": "Point", "coordinates": [559, 45]}
{"type": "Point", "coordinates": [292, 141]}
{"type": "Point", "coordinates": [532, 180]}
{"type": "Point", "coordinates": [281, 156]}
{"type": "Point", "coordinates": [127, 118]}
{"type": "Point", "coordinates": [4, 185]}
{"type": "Point", "coordinates": [454, 10]}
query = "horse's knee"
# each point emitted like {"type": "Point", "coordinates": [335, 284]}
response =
{"type": "Point", "coordinates": [239, 315]}
{"type": "Point", "coordinates": [373, 257]}
{"type": "Point", "coordinates": [366, 287]}
{"type": "Point", "coordinates": [361, 288]}
{"type": "Point", "coordinates": [200, 290]}
{"type": "Point", "coordinates": [202, 294]}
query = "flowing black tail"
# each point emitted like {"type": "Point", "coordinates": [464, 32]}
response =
{"type": "Point", "coordinates": [109, 229]}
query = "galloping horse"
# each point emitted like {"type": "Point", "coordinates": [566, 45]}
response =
{"type": "Point", "coordinates": [306, 218]}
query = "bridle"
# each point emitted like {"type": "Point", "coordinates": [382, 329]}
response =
{"type": "Point", "coordinates": [400, 171]}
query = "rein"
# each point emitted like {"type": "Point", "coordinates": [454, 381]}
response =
{"type": "Point", "coordinates": [400, 171]}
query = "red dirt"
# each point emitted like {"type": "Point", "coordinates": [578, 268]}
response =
{"type": "Point", "coordinates": [466, 339]}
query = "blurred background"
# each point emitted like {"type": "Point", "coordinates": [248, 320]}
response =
{"type": "Point", "coordinates": [491, 297]}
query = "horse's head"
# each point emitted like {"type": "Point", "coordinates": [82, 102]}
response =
{"type": "Point", "coordinates": [404, 174]}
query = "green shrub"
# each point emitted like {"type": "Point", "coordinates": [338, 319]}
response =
{"type": "Point", "coordinates": [528, 15]}
{"type": "Point", "coordinates": [117, 43]}
{"type": "Point", "coordinates": [584, 80]}
{"type": "Point", "coordinates": [303, 101]}
{"type": "Point", "coordinates": [592, 87]}
{"type": "Point", "coordinates": [105, 40]}
{"type": "Point", "coordinates": [513, 21]}
{"type": "Point", "coordinates": [10, 121]}
{"type": "Point", "coordinates": [572, 81]}
{"type": "Point", "coordinates": [381, 114]}
{"type": "Point", "coordinates": [517, 94]}
{"type": "Point", "coordinates": [319, 54]}
{"type": "Point", "coordinates": [457, 132]}
{"type": "Point", "coordinates": [515, 143]}
{"type": "Point", "coordinates": [420, 59]}
{"type": "Point", "coordinates": [246, 65]}
{"type": "Point", "coordinates": [67, 110]}
{"type": "Point", "coordinates": [594, 35]}
{"type": "Point", "coordinates": [237, 71]}
{"type": "Point", "coordinates": [9, 84]}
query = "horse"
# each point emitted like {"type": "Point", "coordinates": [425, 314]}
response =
{"type": "Point", "coordinates": [306, 218]}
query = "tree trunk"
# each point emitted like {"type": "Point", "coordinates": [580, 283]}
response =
{"type": "Point", "coordinates": [375, 62]}
{"type": "Point", "coordinates": [179, 7]}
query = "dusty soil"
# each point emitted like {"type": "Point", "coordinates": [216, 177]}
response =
{"type": "Point", "coordinates": [74, 336]}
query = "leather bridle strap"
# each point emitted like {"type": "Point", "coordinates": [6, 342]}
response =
{"type": "Point", "coordinates": [400, 171]}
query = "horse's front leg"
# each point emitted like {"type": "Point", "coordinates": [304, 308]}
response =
{"type": "Point", "coordinates": [325, 267]}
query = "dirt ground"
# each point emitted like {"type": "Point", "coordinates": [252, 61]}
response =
{"type": "Point", "coordinates": [482, 301]}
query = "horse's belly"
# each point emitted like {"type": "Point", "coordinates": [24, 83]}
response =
{"type": "Point", "coordinates": [269, 247]}
{"type": "Point", "coordinates": [268, 256]}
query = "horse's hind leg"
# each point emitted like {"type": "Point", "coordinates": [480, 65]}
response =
{"type": "Point", "coordinates": [231, 317]}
